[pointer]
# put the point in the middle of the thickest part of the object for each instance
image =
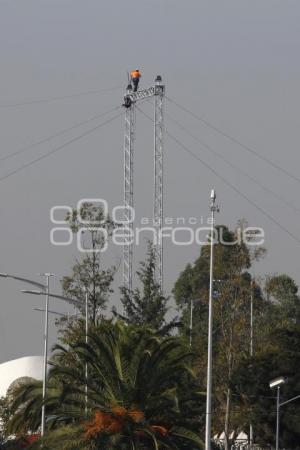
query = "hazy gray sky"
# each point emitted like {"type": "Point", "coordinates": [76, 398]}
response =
{"type": "Point", "coordinates": [233, 62]}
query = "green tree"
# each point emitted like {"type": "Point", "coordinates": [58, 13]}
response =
{"type": "Point", "coordinates": [231, 336]}
{"type": "Point", "coordinates": [254, 398]}
{"type": "Point", "coordinates": [87, 273]}
{"type": "Point", "coordinates": [147, 305]}
{"type": "Point", "coordinates": [282, 291]}
{"type": "Point", "coordinates": [21, 438]}
{"type": "Point", "coordinates": [279, 308]}
{"type": "Point", "coordinates": [4, 417]}
{"type": "Point", "coordinates": [136, 398]}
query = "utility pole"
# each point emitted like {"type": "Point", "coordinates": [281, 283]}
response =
{"type": "Point", "coordinates": [44, 290]}
{"type": "Point", "coordinates": [86, 341]}
{"type": "Point", "coordinates": [43, 422]}
{"type": "Point", "coordinates": [251, 351]}
{"type": "Point", "coordinates": [251, 320]}
{"type": "Point", "coordinates": [277, 417]}
{"type": "Point", "coordinates": [75, 303]}
{"type": "Point", "coordinates": [213, 209]}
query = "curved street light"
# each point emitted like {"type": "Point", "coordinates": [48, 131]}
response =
{"type": "Point", "coordinates": [26, 280]}
{"type": "Point", "coordinates": [44, 290]}
{"type": "Point", "coordinates": [276, 383]}
{"type": "Point", "coordinates": [73, 302]}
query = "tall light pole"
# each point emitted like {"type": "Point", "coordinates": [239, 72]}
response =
{"type": "Point", "coordinates": [279, 405]}
{"type": "Point", "coordinates": [251, 350]}
{"type": "Point", "coordinates": [86, 341]}
{"type": "Point", "coordinates": [44, 289]}
{"type": "Point", "coordinates": [75, 303]}
{"type": "Point", "coordinates": [213, 209]}
{"type": "Point", "coordinates": [276, 383]}
{"type": "Point", "coordinates": [47, 275]}
{"type": "Point", "coordinates": [251, 319]}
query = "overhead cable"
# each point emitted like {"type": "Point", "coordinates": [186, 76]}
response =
{"type": "Point", "coordinates": [58, 133]}
{"type": "Point", "coordinates": [61, 97]}
{"type": "Point", "coordinates": [228, 183]}
{"type": "Point", "coordinates": [234, 166]}
{"type": "Point", "coordinates": [55, 150]}
{"type": "Point", "coordinates": [236, 141]}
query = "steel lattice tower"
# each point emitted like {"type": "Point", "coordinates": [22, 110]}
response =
{"type": "Point", "coordinates": [158, 175]}
{"type": "Point", "coordinates": [129, 137]}
{"type": "Point", "coordinates": [130, 100]}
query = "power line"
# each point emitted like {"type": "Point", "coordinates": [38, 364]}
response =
{"type": "Point", "coordinates": [235, 141]}
{"type": "Point", "coordinates": [62, 97]}
{"type": "Point", "coordinates": [55, 150]}
{"type": "Point", "coordinates": [234, 166]}
{"type": "Point", "coordinates": [59, 133]}
{"type": "Point", "coordinates": [228, 183]}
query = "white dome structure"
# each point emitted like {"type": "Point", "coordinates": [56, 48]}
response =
{"type": "Point", "coordinates": [26, 367]}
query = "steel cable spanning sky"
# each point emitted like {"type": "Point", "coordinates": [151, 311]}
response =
{"type": "Point", "coordinates": [235, 140]}
{"type": "Point", "coordinates": [57, 149]}
{"type": "Point", "coordinates": [58, 98]}
{"type": "Point", "coordinates": [225, 181]}
{"type": "Point", "coordinates": [179, 143]}
{"type": "Point", "coordinates": [57, 134]}
{"type": "Point", "coordinates": [233, 165]}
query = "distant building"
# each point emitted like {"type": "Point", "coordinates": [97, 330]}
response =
{"type": "Point", "coordinates": [18, 369]}
{"type": "Point", "coordinates": [239, 440]}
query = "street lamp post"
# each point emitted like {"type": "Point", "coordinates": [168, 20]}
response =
{"type": "Point", "coordinates": [251, 319]}
{"type": "Point", "coordinates": [276, 383]}
{"type": "Point", "coordinates": [74, 302]}
{"type": "Point", "coordinates": [285, 403]}
{"type": "Point", "coordinates": [47, 275]}
{"type": "Point", "coordinates": [45, 366]}
{"type": "Point", "coordinates": [251, 351]}
{"type": "Point", "coordinates": [86, 341]}
{"type": "Point", "coordinates": [277, 417]}
{"type": "Point", "coordinates": [213, 209]}
{"type": "Point", "coordinates": [44, 290]}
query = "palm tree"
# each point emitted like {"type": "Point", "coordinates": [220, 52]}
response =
{"type": "Point", "coordinates": [141, 393]}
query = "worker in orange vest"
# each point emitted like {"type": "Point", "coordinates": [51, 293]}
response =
{"type": "Point", "coordinates": [135, 77]}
